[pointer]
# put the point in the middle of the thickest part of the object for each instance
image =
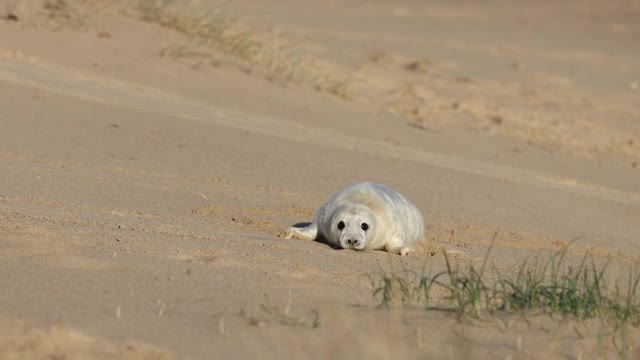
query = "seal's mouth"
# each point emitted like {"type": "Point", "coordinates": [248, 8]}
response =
{"type": "Point", "coordinates": [350, 247]}
{"type": "Point", "coordinates": [352, 243]}
{"type": "Point", "coordinates": [354, 247]}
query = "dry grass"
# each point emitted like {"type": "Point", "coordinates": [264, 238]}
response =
{"type": "Point", "coordinates": [265, 50]}
{"type": "Point", "coordinates": [284, 315]}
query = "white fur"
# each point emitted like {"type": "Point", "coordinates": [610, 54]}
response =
{"type": "Point", "coordinates": [394, 223]}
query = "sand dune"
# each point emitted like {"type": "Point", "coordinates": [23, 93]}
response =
{"type": "Point", "coordinates": [153, 154]}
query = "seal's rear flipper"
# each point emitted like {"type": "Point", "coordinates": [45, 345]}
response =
{"type": "Point", "coordinates": [306, 233]}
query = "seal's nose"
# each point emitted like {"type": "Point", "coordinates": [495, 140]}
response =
{"type": "Point", "coordinates": [352, 241]}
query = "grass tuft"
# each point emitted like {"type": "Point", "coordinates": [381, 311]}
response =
{"type": "Point", "coordinates": [411, 289]}
{"type": "Point", "coordinates": [554, 288]}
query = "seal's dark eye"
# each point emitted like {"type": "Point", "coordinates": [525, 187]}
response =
{"type": "Point", "coordinates": [341, 225]}
{"type": "Point", "coordinates": [365, 226]}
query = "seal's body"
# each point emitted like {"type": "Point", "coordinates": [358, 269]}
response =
{"type": "Point", "coordinates": [366, 216]}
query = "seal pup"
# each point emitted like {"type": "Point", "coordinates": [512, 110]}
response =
{"type": "Point", "coordinates": [366, 216]}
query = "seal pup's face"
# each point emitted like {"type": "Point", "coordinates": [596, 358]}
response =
{"type": "Point", "coordinates": [353, 227]}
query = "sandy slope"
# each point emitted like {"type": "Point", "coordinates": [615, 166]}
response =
{"type": "Point", "coordinates": [144, 195]}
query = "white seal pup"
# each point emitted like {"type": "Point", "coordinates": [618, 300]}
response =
{"type": "Point", "coordinates": [366, 216]}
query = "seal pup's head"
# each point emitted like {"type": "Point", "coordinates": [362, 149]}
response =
{"type": "Point", "coordinates": [352, 226]}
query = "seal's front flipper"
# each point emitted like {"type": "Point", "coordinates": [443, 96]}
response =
{"type": "Point", "coordinates": [402, 251]}
{"type": "Point", "coordinates": [306, 233]}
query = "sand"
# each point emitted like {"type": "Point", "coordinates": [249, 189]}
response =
{"type": "Point", "coordinates": [153, 155]}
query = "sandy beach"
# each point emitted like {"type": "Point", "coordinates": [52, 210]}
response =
{"type": "Point", "coordinates": [153, 154]}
